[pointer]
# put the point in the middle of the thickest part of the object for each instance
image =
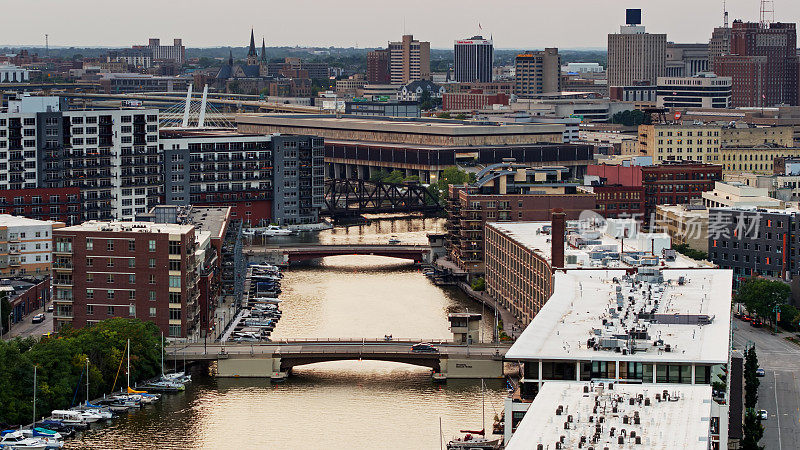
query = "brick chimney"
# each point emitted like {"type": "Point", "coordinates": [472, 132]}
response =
{"type": "Point", "coordinates": [558, 229]}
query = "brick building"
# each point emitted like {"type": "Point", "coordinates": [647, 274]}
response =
{"type": "Point", "coordinates": [664, 184]}
{"type": "Point", "coordinates": [472, 100]}
{"type": "Point", "coordinates": [378, 71]}
{"type": "Point", "coordinates": [56, 204]}
{"type": "Point", "coordinates": [506, 192]}
{"type": "Point", "coordinates": [127, 269]}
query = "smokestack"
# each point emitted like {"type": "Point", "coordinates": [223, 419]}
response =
{"type": "Point", "coordinates": [558, 228]}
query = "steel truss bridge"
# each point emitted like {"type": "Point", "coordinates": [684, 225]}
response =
{"type": "Point", "coordinates": [346, 198]}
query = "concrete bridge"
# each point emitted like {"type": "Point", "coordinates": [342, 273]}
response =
{"type": "Point", "coordinates": [277, 359]}
{"type": "Point", "coordinates": [180, 97]}
{"type": "Point", "coordinates": [416, 253]}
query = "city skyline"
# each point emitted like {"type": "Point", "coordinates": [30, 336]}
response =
{"type": "Point", "coordinates": [362, 24]}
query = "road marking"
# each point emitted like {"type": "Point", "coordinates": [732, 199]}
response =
{"type": "Point", "coordinates": [777, 416]}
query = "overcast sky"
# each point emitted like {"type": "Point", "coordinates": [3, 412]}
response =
{"type": "Point", "coordinates": [362, 23]}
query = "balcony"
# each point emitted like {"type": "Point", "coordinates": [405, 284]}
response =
{"type": "Point", "coordinates": [62, 281]}
{"type": "Point", "coordinates": [62, 265]}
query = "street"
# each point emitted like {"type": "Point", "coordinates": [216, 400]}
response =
{"type": "Point", "coordinates": [27, 328]}
{"type": "Point", "coordinates": [779, 391]}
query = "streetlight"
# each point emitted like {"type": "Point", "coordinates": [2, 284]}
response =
{"type": "Point", "coordinates": [777, 311]}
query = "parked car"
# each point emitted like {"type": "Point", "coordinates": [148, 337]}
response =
{"type": "Point", "coordinates": [424, 347]}
{"type": "Point", "coordinates": [762, 414]}
{"type": "Point", "coordinates": [50, 308]}
{"type": "Point", "coordinates": [760, 372]}
{"type": "Point", "coordinates": [39, 318]}
{"type": "Point", "coordinates": [756, 323]}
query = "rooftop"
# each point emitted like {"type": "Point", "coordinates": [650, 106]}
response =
{"type": "Point", "coordinates": [594, 245]}
{"type": "Point", "coordinates": [616, 416]}
{"type": "Point", "coordinates": [7, 220]}
{"type": "Point", "coordinates": [178, 133]}
{"type": "Point", "coordinates": [129, 227]}
{"type": "Point", "coordinates": [397, 124]}
{"type": "Point", "coordinates": [657, 315]}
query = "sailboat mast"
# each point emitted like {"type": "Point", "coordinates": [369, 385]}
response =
{"type": "Point", "coordinates": [34, 397]}
{"type": "Point", "coordinates": [162, 354]}
{"type": "Point", "coordinates": [87, 380]}
{"type": "Point", "coordinates": [483, 407]}
{"type": "Point", "coordinates": [129, 363]}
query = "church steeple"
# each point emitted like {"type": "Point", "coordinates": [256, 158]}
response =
{"type": "Point", "coordinates": [252, 57]}
{"type": "Point", "coordinates": [263, 51]}
{"type": "Point", "coordinates": [230, 57]}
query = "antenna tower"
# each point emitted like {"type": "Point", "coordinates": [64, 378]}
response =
{"type": "Point", "coordinates": [767, 13]}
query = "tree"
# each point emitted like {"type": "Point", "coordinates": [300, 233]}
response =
{"type": "Point", "coordinates": [753, 431]}
{"type": "Point", "coordinates": [450, 175]}
{"type": "Point", "coordinates": [461, 116]}
{"type": "Point", "coordinates": [378, 176]}
{"type": "Point", "coordinates": [790, 317]}
{"type": "Point", "coordinates": [684, 249]}
{"type": "Point", "coordinates": [631, 118]}
{"type": "Point", "coordinates": [478, 284]}
{"type": "Point", "coordinates": [760, 296]}
{"type": "Point", "coordinates": [5, 312]}
{"type": "Point", "coordinates": [412, 178]}
{"type": "Point", "coordinates": [751, 381]}
{"type": "Point", "coordinates": [443, 115]}
{"type": "Point", "coordinates": [395, 177]}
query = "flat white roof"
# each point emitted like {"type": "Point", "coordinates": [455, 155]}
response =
{"type": "Point", "coordinates": [130, 227]}
{"type": "Point", "coordinates": [536, 236]}
{"type": "Point", "coordinates": [684, 319]}
{"type": "Point", "coordinates": [7, 220]}
{"type": "Point", "coordinates": [681, 422]}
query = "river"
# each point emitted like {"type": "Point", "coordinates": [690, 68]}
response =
{"type": "Point", "coordinates": [344, 404]}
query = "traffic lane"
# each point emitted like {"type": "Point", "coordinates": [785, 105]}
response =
{"type": "Point", "coordinates": [787, 413]}
{"type": "Point", "coordinates": [774, 352]}
{"type": "Point", "coordinates": [28, 328]}
{"type": "Point", "coordinates": [767, 401]}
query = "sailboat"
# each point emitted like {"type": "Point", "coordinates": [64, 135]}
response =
{"type": "Point", "coordinates": [172, 383]}
{"type": "Point", "coordinates": [476, 440]}
{"type": "Point", "coordinates": [91, 412]}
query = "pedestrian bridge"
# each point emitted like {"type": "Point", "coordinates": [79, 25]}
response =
{"type": "Point", "coordinates": [416, 253]}
{"type": "Point", "coordinates": [271, 359]}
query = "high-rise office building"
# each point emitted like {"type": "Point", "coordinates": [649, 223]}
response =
{"type": "Point", "coordinates": [378, 66]}
{"type": "Point", "coordinates": [410, 60]}
{"type": "Point", "coordinates": [763, 63]}
{"type": "Point", "coordinates": [473, 59]}
{"type": "Point", "coordinates": [538, 72]}
{"type": "Point", "coordinates": [634, 56]}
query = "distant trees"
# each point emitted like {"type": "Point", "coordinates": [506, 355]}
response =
{"type": "Point", "coordinates": [479, 284]}
{"type": "Point", "coordinates": [61, 361]}
{"type": "Point", "coordinates": [761, 296]}
{"type": "Point", "coordinates": [631, 118]}
{"type": "Point", "coordinates": [684, 249]}
{"type": "Point", "coordinates": [5, 312]}
{"type": "Point", "coordinates": [450, 175]}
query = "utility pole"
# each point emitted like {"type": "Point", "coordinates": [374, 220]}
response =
{"type": "Point", "coordinates": [47, 45]}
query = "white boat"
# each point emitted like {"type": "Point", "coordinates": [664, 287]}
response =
{"type": "Point", "coordinates": [274, 230]}
{"type": "Point", "coordinates": [181, 377]}
{"type": "Point", "coordinates": [470, 442]}
{"type": "Point", "coordinates": [248, 232]}
{"type": "Point", "coordinates": [14, 439]}
{"type": "Point", "coordinates": [68, 417]}
{"type": "Point", "coordinates": [90, 416]}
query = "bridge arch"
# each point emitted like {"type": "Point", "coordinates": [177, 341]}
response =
{"type": "Point", "coordinates": [430, 361]}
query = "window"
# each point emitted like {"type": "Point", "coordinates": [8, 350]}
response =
{"type": "Point", "coordinates": [152, 311]}
{"type": "Point", "coordinates": [110, 294]}
{"type": "Point", "coordinates": [174, 314]}
{"type": "Point", "coordinates": [174, 297]}
{"type": "Point", "coordinates": [174, 281]}
{"type": "Point", "coordinates": [89, 310]}
{"type": "Point", "coordinates": [110, 245]}
{"type": "Point", "coordinates": [90, 293]}
{"type": "Point", "coordinates": [131, 263]}
{"type": "Point", "coordinates": [152, 262]}
{"type": "Point", "coordinates": [110, 278]}
{"type": "Point", "coordinates": [175, 331]}
{"type": "Point", "coordinates": [174, 247]}
{"type": "Point", "coordinates": [131, 246]}
{"type": "Point", "coordinates": [132, 310]}
{"type": "Point", "coordinates": [174, 265]}
{"type": "Point", "coordinates": [89, 244]}
{"type": "Point", "coordinates": [152, 279]}
{"type": "Point", "coordinates": [132, 278]}
{"type": "Point", "coordinates": [110, 262]}
{"type": "Point", "coordinates": [110, 310]}
{"type": "Point", "coordinates": [152, 296]}
{"type": "Point", "coordinates": [89, 262]}
{"type": "Point", "coordinates": [152, 246]}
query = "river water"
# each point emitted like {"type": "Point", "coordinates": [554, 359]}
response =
{"type": "Point", "coordinates": [344, 404]}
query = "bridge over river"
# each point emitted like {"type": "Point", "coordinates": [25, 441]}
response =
{"type": "Point", "coordinates": [276, 359]}
{"type": "Point", "coordinates": [304, 252]}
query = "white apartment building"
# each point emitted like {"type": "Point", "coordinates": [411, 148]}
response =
{"type": "Point", "coordinates": [112, 155]}
{"type": "Point", "coordinates": [26, 245]}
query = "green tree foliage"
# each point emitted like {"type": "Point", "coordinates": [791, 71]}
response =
{"type": "Point", "coordinates": [684, 249]}
{"type": "Point", "coordinates": [751, 381]}
{"type": "Point", "coordinates": [790, 317]}
{"type": "Point", "coordinates": [461, 116]}
{"type": "Point", "coordinates": [631, 118]}
{"type": "Point", "coordinates": [395, 176]}
{"type": "Point", "coordinates": [753, 431]}
{"type": "Point", "coordinates": [450, 175]}
{"type": "Point", "coordinates": [61, 360]}
{"type": "Point", "coordinates": [478, 284]}
{"type": "Point", "coordinates": [443, 115]}
{"type": "Point", "coordinates": [5, 312]}
{"type": "Point", "coordinates": [760, 296]}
